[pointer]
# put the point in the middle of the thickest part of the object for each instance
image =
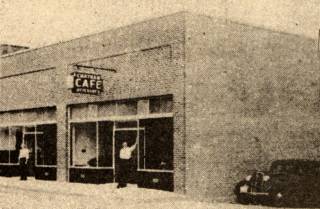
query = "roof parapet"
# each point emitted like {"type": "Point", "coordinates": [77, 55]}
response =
{"type": "Point", "coordinates": [8, 49]}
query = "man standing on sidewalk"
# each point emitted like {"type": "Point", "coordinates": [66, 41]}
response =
{"type": "Point", "coordinates": [23, 160]}
{"type": "Point", "coordinates": [124, 166]}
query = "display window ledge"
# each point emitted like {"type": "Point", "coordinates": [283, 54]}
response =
{"type": "Point", "coordinates": [88, 167]}
{"type": "Point", "coordinates": [155, 170]}
{"type": "Point", "coordinates": [9, 164]}
{"type": "Point", "coordinates": [34, 123]}
{"type": "Point", "coordinates": [46, 166]}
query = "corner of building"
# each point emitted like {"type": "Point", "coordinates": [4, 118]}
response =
{"type": "Point", "coordinates": [251, 97]}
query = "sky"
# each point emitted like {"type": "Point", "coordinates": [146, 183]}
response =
{"type": "Point", "coordinates": [37, 23]}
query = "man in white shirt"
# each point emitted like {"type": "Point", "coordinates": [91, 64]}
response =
{"type": "Point", "coordinates": [23, 160]}
{"type": "Point", "coordinates": [124, 165]}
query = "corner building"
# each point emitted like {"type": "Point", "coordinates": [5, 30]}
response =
{"type": "Point", "coordinates": [207, 100]}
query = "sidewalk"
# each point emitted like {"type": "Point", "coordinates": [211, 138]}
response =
{"type": "Point", "coordinates": [80, 189]}
{"type": "Point", "coordinates": [52, 194]}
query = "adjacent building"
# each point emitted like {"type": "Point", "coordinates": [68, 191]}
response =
{"type": "Point", "coordinates": [207, 100]}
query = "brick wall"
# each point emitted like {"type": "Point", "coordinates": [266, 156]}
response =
{"type": "Point", "coordinates": [140, 52]}
{"type": "Point", "coordinates": [252, 96]}
{"type": "Point", "coordinates": [247, 95]}
{"type": "Point", "coordinates": [148, 58]}
{"type": "Point", "coordinates": [38, 89]}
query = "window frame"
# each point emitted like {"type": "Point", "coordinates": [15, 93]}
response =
{"type": "Point", "coordinates": [116, 117]}
{"type": "Point", "coordinates": [71, 151]}
{"type": "Point", "coordinates": [144, 159]}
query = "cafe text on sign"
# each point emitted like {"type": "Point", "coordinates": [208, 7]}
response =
{"type": "Point", "coordinates": [87, 83]}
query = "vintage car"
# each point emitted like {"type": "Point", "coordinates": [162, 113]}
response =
{"type": "Point", "coordinates": [290, 183]}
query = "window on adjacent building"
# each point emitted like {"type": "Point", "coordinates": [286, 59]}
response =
{"type": "Point", "coordinates": [156, 146]}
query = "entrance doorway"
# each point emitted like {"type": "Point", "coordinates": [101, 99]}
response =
{"type": "Point", "coordinates": [129, 136]}
{"type": "Point", "coordinates": [29, 141]}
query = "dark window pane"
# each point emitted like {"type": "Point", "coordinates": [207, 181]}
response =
{"type": "Point", "coordinates": [166, 105]}
{"type": "Point", "coordinates": [30, 129]}
{"type": "Point", "coordinates": [161, 104]}
{"type": "Point", "coordinates": [105, 144]}
{"type": "Point", "coordinates": [4, 145]}
{"type": "Point", "coordinates": [16, 133]}
{"type": "Point", "coordinates": [141, 149]}
{"type": "Point", "coordinates": [47, 145]}
{"type": "Point", "coordinates": [4, 156]}
{"type": "Point", "coordinates": [126, 124]}
{"type": "Point", "coordinates": [154, 105]}
{"type": "Point", "coordinates": [158, 144]}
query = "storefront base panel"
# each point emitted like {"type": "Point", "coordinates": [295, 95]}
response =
{"type": "Point", "coordinates": [9, 170]}
{"type": "Point", "coordinates": [46, 173]}
{"type": "Point", "coordinates": [154, 180]}
{"type": "Point", "coordinates": [94, 176]}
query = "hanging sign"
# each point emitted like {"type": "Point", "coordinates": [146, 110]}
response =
{"type": "Point", "coordinates": [87, 83]}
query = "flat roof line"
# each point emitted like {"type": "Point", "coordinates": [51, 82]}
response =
{"type": "Point", "coordinates": [95, 34]}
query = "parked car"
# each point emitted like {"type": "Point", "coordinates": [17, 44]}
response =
{"type": "Point", "coordinates": [290, 183]}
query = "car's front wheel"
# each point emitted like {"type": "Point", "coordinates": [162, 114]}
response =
{"type": "Point", "coordinates": [241, 195]}
{"type": "Point", "coordinates": [278, 199]}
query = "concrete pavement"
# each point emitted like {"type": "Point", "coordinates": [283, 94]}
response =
{"type": "Point", "coordinates": [34, 194]}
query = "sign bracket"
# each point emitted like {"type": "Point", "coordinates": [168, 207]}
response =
{"type": "Point", "coordinates": [98, 68]}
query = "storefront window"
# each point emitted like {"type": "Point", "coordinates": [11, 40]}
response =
{"type": "Point", "coordinates": [46, 144]}
{"type": "Point", "coordinates": [4, 145]}
{"type": "Point", "coordinates": [90, 149]}
{"type": "Point", "coordinates": [16, 140]}
{"type": "Point", "coordinates": [156, 146]}
{"type": "Point", "coordinates": [92, 143]}
{"type": "Point", "coordinates": [9, 145]}
{"type": "Point", "coordinates": [84, 147]}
